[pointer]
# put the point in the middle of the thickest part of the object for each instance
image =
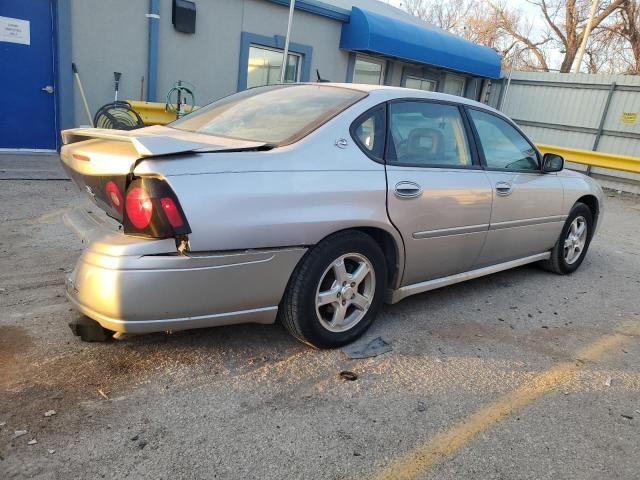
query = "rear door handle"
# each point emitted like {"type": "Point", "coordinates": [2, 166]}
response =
{"type": "Point", "coordinates": [407, 190]}
{"type": "Point", "coordinates": [503, 189]}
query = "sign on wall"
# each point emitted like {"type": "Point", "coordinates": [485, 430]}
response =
{"type": "Point", "coordinates": [15, 30]}
{"type": "Point", "coordinates": [630, 118]}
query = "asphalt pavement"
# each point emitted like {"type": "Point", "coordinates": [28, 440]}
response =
{"type": "Point", "coordinates": [519, 375]}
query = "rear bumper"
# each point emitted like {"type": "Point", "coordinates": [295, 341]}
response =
{"type": "Point", "coordinates": [140, 286]}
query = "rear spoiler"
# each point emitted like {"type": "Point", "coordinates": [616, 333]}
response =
{"type": "Point", "coordinates": [147, 144]}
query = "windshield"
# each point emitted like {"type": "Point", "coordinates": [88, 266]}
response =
{"type": "Point", "coordinates": [279, 114]}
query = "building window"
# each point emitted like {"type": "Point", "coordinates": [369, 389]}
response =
{"type": "Point", "coordinates": [420, 84]}
{"type": "Point", "coordinates": [265, 66]}
{"type": "Point", "coordinates": [369, 71]}
{"type": "Point", "coordinates": [454, 85]}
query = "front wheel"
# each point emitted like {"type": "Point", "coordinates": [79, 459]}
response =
{"type": "Point", "coordinates": [571, 248]}
{"type": "Point", "coordinates": [336, 291]}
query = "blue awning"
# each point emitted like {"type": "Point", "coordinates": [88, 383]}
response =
{"type": "Point", "coordinates": [374, 33]}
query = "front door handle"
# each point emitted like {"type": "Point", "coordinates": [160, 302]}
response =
{"type": "Point", "coordinates": [503, 189]}
{"type": "Point", "coordinates": [407, 190]}
{"type": "Point", "coordinates": [47, 88]}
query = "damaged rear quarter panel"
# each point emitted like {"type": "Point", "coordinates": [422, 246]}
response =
{"type": "Point", "coordinates": [288, 196]}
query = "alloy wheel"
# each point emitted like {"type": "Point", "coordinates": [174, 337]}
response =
{"type": "Point", "coordinates": [575, 240]}
{"type": "Point", "coordinates": [345, 292]}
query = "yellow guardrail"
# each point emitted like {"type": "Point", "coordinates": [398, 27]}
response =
{"type": "Point", "coordinates": [155, 113]}
{"type": "Point", "coordinates": [595, 159]}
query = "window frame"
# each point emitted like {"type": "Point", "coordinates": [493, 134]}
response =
{"type": "Point", "coordinates": [480, 148]}
{"type": "Point", "coordinates": [473, 151]}
{"type": "Point", "coordinates": [281, 52]}
{"type": "Point", "coordinates": [421, 79]}
{"type": "Point", "coordinates": [366, 58]}
{"type": "Point", "coordinates": [456, 77]}
{"type": "Point", "coordinates": [361, 118]}
{"type": "Point", "coordinates": [276, 41]}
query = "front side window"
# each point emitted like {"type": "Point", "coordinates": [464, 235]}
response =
{"type": "Point", "coordinates": [279, 114]}
{"type": "Point", "coordinates": [427, 134]}
{"type": "Point", "coordinates": [504, 147]}
{"type": "Point", "coordinates": [368, 131]}
{"type": "Point", "coordinates": [421, 84]}
{"type": "Point", "coordinates": [369, 71]}
{"type": "Point", "coordinates": [265, 66]}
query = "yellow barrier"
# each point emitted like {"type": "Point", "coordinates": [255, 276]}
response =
{"type": "Point", "coordinates": [595, 159]}
{"type": "Point", "coordinates": [154, 113]}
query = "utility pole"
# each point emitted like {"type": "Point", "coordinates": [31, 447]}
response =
{"type": "Point", "coordinates": [285, 54]}
{"type": "Point", "coordinates": [585, 37]}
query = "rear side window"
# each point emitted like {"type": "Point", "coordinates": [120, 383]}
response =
{"type": "Point", "coordinates": [504, 147]}
{"type": "Point", "coordinates": [427, 134]}
{"type": "Point", "coordinates": [369, 132]}
{"type": "Point", "coordinates": [279, 114]}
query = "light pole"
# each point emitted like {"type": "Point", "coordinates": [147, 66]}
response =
{"type": "Point", "coordinates": [285, 54]}
{"type": "Point", "coordinates": [506, 89]}
{"type": "Point", "coordinates": [585, 36]}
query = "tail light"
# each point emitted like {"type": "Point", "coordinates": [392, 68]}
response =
{"type": "Point", "coordinates": [152, 210]}
{"type": "Point", "coordinates": [139, 207]}
{"type": "Point", "coordinates": [114, 196]}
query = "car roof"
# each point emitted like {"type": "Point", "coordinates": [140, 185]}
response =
{"type": "Point", "coordinates": [386, 92]}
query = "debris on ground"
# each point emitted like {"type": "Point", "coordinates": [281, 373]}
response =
{"type": "Point", "coordinates": [607, 382]}
{"type": "Point", "coordinates": [349, 376]}
{"type": "Point", "coordinates": [2, 424]}
{"type": "Point", "coordinates": [19, 433]}
{"type": "Point", "coordinates": [375, 347]}
{"type": "Point", "coordinates": [628, 417]}
{"type": "Point", "coordinates": [33, 441]}
{"type": "Point", "coordinates": [51, 451]}
{"type": "Point", "coordinates": [104, 395]}
{"type": "Point", "coordinates": [421, 407]}
{"type": "Point", "coordinates": [49, 413]}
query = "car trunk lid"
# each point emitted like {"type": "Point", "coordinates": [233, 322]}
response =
{"type": "Point", "coordinates": [102, 162]}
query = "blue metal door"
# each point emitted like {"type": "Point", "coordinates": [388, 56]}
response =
{"type": "Point", "coordinates": [27, 93]}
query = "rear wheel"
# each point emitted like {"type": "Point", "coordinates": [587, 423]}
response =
{"type": "Point", "coordinates": [336, 291]}
{"type": "Point", "coordinates": [570, 249]}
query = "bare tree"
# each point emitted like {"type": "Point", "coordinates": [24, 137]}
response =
{"type": "Point", "coordinates": [471, 19]}
{"type": "Point", "coordinates": [567, 20]}
{"type": "Point", "coordinates": [497, 24]}
{"type": "Point", "coordinates": [526, 40]}
{"type": "Point", "coordinates": [450, 16]}
{"type": "Point", "coordinates": [628, 28]}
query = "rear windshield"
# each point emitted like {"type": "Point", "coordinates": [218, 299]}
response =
{"type": "Point", "coordinates": [279, 114]}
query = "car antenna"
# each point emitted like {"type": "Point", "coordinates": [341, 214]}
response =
{"type": "Point", "coordinates": [320, 79]}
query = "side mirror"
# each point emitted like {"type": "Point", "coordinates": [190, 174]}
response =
{"type": "Point", "coordinates": [552, 163]}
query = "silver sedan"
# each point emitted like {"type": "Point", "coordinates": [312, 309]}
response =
{"type": "Point", "coordinates": [314, 204]}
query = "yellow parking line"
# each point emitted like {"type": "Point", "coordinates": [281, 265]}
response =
{"type": "Point", "coordinates": [444, 444]}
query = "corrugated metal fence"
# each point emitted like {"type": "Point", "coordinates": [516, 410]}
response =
{"type": "Point", "coordinates": [585, 111]}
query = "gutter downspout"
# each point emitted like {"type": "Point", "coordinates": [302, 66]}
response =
{"type": "Point", "coordinates": [152, 66]}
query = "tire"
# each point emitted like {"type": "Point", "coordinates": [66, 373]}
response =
{"type": "Point", "coordinates": [560, 262]}
{"type": "Point", "coordinates": [349, 299]}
